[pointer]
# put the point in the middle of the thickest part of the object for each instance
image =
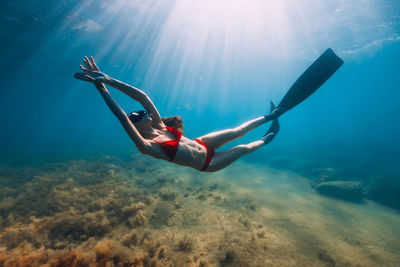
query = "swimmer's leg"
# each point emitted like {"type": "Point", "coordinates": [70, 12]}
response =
{"type": "Point", "coordinates": [217, 139]}
{"type": "Point", "coordinates": [225, 158]}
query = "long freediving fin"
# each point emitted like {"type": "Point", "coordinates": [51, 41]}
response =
{"type": "Point", "coordinates": [314, 76]}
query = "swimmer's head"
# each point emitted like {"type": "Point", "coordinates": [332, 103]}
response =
{"type": "Point", "coordinates": [139, 118]}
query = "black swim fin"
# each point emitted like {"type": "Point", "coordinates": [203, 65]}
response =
{"type": "Point", "coordinates": [273, 129]}
{"type": "Point", "coordinates": [314, 76]}
{"type": "Point", "coordinates": [272, 107]}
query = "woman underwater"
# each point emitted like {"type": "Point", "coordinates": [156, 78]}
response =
{"type": "Point", "coordinates": [162, 138]}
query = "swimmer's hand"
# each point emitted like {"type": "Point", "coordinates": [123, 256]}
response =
{"type": "Point", "coordinates": [91, 76]}
{"type": "Point", "coordinates": [90, 64]}
{"type": "Point", "coordinates": [91, 73]}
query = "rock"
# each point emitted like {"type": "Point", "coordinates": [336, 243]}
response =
{"type": "Point", "coordinates": [345, 190]}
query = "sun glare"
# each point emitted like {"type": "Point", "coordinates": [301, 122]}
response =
{"type": "Point", "coordinates": [211, 47]}
{"type": "Point", "coordinates": [216, 35]}
{"type": "Point", "coordinates": [234, 21]}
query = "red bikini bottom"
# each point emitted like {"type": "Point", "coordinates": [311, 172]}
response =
{"type": "Point", "coordinates": [210, 154]}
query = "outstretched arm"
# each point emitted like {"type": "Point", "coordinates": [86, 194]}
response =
{"type": "Point", "coordinates": [142, 144]}
{"type": "Point", "coordinates": [93, 71]}
{"type": "Point", "coordinates": [139, 96]}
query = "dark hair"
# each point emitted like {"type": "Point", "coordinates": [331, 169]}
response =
{"type": "Point", "coordinates": [174, 122]}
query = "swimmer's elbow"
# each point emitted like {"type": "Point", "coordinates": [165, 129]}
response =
{"type": "Point", "coordinates": [150, 148]}
{"type": "Point", "coordinates": [143, 148]}
{"type": "Point", "coordinates": [147, 147]}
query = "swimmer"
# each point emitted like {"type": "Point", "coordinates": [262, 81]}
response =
{"type": "Point", "coordinates": [163, 138]}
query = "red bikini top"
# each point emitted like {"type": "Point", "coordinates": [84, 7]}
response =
{"type": "Point", "coordinates": [170, 147]}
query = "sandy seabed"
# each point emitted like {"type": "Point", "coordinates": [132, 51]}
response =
{"type": "Point", "coordinates": [142, 212]}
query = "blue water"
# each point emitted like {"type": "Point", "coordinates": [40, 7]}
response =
{"type": "Point", "coordinates": [214, 63]}
{"type": "Point", "coordinates": [214, 71]}
{"type": "Point", "coordinates": [215, 78]}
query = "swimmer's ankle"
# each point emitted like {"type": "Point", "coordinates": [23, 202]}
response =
{"type": "Point", "coordinates": [268, 137]}
{"type": "Point", "coordinates": [274, 113]}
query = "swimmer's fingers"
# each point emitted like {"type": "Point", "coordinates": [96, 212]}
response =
{"type": "Point", "coordinates": [87, 63]}
{"type": "Point", "coordinates": [96, 76]}
{"type": "Point", "coordinates": [94, 64]}
{"type": "Point", "coordinates": [90, 64]}
{"type": "Point", "coordinates": [83, 77]}
{"type": "Point", "coordinates": [90, 72]}
{"type": "Point", "coordinates": [85, 69]}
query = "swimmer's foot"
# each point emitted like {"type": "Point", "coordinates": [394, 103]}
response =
{"type": "Point", "coordinates": [273, 113]}
{"type": "Point", "coordinates": [273, 130]}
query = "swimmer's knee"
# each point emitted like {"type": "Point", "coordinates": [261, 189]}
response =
{"type": "Point", "coordinates": [244, 149]}
{"type": "Point", "coordinates": [239, 131]}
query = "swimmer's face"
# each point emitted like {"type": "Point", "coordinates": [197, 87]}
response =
{"type": "Point", "coordinates": [145, 121]}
